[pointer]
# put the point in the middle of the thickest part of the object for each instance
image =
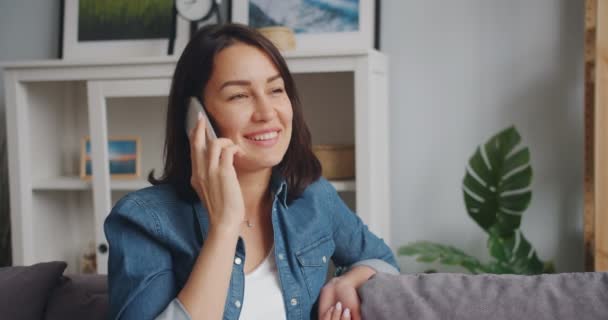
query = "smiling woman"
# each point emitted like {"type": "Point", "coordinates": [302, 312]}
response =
{"type": "Point", "coordinates": [177, 249]}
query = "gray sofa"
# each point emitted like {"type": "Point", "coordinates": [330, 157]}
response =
{"type": "Point", "coordinates": [580, 296]}
{"type": "Point", "coordinates": [42, 291]}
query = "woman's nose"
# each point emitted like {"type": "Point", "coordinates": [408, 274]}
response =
{"type": "Point", "coordinates": [264, 110]}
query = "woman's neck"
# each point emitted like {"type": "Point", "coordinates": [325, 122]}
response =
{"type": "Point", "coordinates": [256, 191]}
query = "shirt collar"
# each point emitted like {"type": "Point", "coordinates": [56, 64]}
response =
{"type": "Point", "coordinates": [278, 187]}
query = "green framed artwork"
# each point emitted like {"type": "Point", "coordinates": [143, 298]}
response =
{"type": "Point", "coordinates": [119, 28]}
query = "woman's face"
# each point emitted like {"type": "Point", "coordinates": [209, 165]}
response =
{"type": "Point", "coordinates": [246, 97]}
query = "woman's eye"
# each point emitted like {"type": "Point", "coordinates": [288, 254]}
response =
{"type": "Point", "coordinates": [277, 90]}
{"type": "Point", "coordinates": [237, 96]}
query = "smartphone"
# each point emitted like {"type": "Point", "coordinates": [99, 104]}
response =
{"type": "Point", "coordinates": [192, 118]}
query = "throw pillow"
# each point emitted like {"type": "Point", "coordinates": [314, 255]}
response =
{"type": "Point", "coordinates": [25, 289]}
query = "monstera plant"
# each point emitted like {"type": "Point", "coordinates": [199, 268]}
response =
{"type": "Point", "coordinates": [496, 189]}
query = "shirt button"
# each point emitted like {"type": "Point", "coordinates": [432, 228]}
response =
{"type": "Point", "coordinates": [237, 304]}
{"type": "Point", "coordinates": [281, 256]}
{"type": "Point", "coordinates": [324, 259]}
{"type": "Point", "coordinates": [237, 260]}
{"type": "Point", "coordinates": [294, 301]}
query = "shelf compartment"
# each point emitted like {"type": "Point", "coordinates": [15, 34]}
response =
{"type": "Point", "coordinates": [57, 118]}
{"type": "Point", "coordinates": [61, 227]}
{"type": "Point", "coordinates": [144, 117]}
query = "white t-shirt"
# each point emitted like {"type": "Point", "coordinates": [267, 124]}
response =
{"type": "Point", "coordinates": [263, 297]}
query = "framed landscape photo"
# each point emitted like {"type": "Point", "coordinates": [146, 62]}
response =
{"type": "Point", "coordinates": [124, 158]}
{"type": "Point", "coordinates": [119, 28]}
{"type": "Point", "coordinates": [319, 25]}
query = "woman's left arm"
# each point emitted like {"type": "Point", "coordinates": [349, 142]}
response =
{"type": "Point", "coordinates": [355, 244]}
{"type": "Point", "coordinates": [357, 249]}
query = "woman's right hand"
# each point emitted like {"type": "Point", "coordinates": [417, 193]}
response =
{"type": "Point", "coordinates": [337, 313]}
{"type": "Point", "coordinates": [214, 178]}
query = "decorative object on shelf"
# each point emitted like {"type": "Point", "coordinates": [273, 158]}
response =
{"type": "Point", "coordinates": [326, 25]}
{"type": "Point", "coordinates": [124, 157]}
{"type": "Point", "coordinates": [496, 189]}
{"type": "Point", "coordinates": [199, 10]}
{"type": "Point", "coordinates": [88, 261]}
{"type": "Point", "coordinates": [282, 37]}
{"type": "Point", "coordinates": [119, 28]}
{"type": "Point", "coordinates": [337, 161]}
{"type": "Point", "coordinates": [196, 12]}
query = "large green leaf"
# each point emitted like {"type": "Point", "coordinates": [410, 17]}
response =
{"type": "Point", "coordinates": [496, 183]}
{"type": "Point", "coordinates": [430, 252]}
{"type": "Point", "coordinates": [516, 252]}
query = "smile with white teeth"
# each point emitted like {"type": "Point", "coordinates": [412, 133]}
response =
{"type": "Point", "coordinates": [265, 136]}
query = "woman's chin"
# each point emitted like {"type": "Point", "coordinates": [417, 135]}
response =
{"type": "Point", "coordinates": [256, 163]}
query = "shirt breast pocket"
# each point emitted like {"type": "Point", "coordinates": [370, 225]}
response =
{"type": "Point", "coordinates": [314, 261]}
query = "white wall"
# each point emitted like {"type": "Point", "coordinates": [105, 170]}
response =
{"type": "Point", "coordinates": [460, 72]}
{"type": "Point", "coordinates": [28, 30]}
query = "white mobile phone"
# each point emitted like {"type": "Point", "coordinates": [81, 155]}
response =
{"type": "Point", "coordinates": [192, 118]}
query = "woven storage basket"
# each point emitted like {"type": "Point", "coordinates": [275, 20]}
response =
{"type": "Point", "coordinates": [337, 160]}
{"type": "Point", "coordinates": [282, 37]}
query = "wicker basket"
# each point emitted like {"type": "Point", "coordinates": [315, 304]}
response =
{"type": "Point", "coordinates": [337, 160]}
{"type": "Point", "coordinates": [282, 37]}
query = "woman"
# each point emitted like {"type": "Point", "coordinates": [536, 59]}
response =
{"type": "Point", "coordinates": [243, 226]}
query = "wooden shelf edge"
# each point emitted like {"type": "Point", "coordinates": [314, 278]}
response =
{"type": "Point", "coordinates": [74, 183]}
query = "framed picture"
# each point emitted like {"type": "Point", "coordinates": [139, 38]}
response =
{"type": "Point", "coordinates": [325, 25]}
{"type": "Point", "coordinates": [119, 28]}
{"type": "Point", "coordinates": [124, 158]}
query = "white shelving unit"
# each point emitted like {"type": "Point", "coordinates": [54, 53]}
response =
{"type": "Point", "coordinates": [52, 104]}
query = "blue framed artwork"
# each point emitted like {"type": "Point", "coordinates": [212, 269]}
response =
{"type": "Point", "coordinates": [123, 158]}
{"type": "Point", "coordinates": [327, 25]}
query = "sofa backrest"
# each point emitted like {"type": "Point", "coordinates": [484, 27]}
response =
{"type": "Point", "coordinates": [581, 296]}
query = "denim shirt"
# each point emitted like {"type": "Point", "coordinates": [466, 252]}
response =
{"type": "Point", "coordinates": [155, 237]}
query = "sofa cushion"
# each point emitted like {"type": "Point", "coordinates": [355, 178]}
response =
{"type": "Point", "coordinates": [578, 296]}
{"type": "Point", "coordinates": [25, 289]}
{"type": "Point", "coordinates": [79, 297]}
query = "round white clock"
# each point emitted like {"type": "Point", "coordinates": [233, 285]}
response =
{"type": "Point", "coordinates": [193, 10]}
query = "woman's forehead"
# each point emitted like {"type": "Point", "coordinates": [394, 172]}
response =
{"type": "Point", "coordinates": [243, 62]}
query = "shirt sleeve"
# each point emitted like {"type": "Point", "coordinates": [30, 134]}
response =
{"type": "Point", "coordinates": [380, 266]}
{"type": "Point", "coordinates": [174, 311]}
{"type": "Point", "coordinates": [141, 282]}
{"type": "Point", "coordinates": [355, 244]}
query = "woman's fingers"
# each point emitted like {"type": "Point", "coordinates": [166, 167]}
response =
{"type": "Point", "coordinates": [346, 314]}
{"type": "Point", "coordinates": [337, 311]}
{"type": "Point", "coordinates": [227, 157]}
{"type": "Point", "coordinates": [214, 151]}
{"type": "Point", "coordinates": [197, 145]}
{"type": "Point", "coordinates": [199, 133]}
{"type": "Point", "coordinates": [328, 314]}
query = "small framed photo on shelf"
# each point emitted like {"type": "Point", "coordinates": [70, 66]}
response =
{"type": "Point", "coordinates": [326, 25]}
{"type": "Point", "coordinates": [119, 29]}
{"type": "Point", "coordinates": [124, 158]}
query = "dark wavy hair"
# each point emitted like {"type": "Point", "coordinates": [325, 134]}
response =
{"type": "Point", "coordinates": [300, 167]}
